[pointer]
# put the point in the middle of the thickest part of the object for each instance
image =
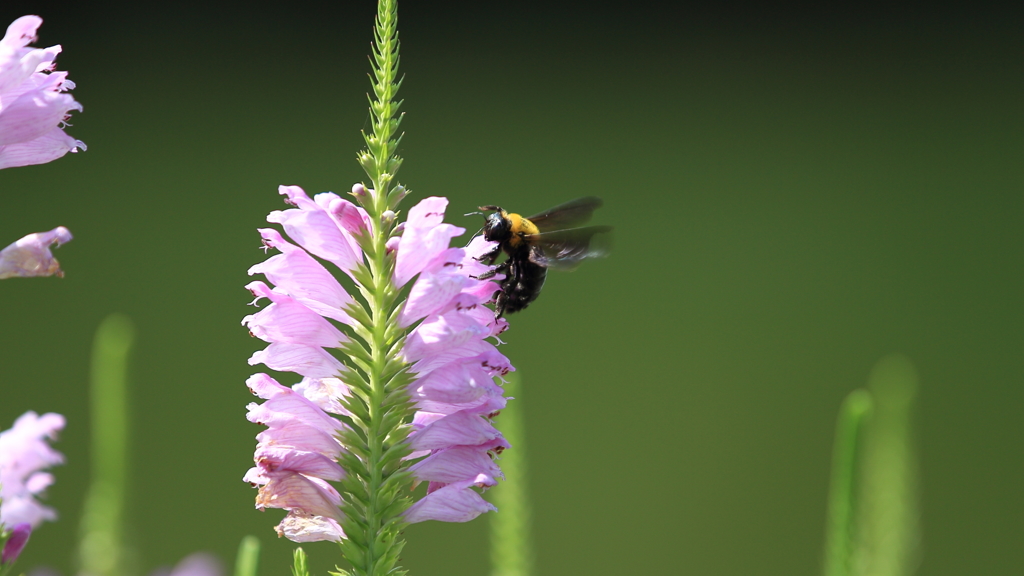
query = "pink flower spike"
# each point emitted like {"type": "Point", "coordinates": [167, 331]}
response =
{"type": "Point", "coordinates": [440, 332]}
{"type": "Point", "coordinates": [34, 104]}
{"type": "Point", "coordinates": [456, 502]}
{"type": "Point", "coordinates": [31, 255]}
{"type": "Point", "coordinates": [23, 454]}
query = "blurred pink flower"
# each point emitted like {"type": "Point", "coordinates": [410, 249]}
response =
{"type": "Point", "coordinates": [34, 105]}
{"type": "Point", "coordinates": [197, 564]}
{"type": "Point", "coordinates": [31, 255]}
{"type": "Point", "coordinates": [15, 542]}
{"type": "Point", "coordinates": [455, 366]}
{"type": "Point", "coordinates": [23, 454]}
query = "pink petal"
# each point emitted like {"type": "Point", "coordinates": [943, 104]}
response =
{"type": "Point", "coordinates": [312, 228]}
{"type": "Point", "coordinates": [33, 115]}
{"type": "Point", "coordinates": [425, 237]}
{"type": "Point", "coordinates": [458, 429]}
{"type": "Point", "coordinates": [46, 148]}
{"type": "Point", "coordinates": [31, 255]}
{"type": "Point", "coordinates": [459, 463]}
{"type": "Point", "coordinates": [325, 393]}
{"type": "Point", "coordinates": [299, 527]}
{"type": "Point", "coordinates": [457, 382]}
{"type": "Point", "coordinates": [440, 333]}
{"type": "Point", "coordinates": [296, 273]}
{"type": "Point", "coordinates": [286, 320]}
{"type": "Point", "coordinates": [18, 63]}
{"type": "Point", "coordinates": [291, 491]}
{"type": "Point", "coordinates": [346, 216]}
{"type": "Point", "coordinates": [472, 348]}
{"type": "Point", "coordinates": [272, 459]}
{"type": "Point", "coordinates": [454, 503]}
{"type": "Point", "coordinates": [310, 361]}
{"type": "Point", "coordinates": [284, 406]}
{"type": "Point", "coordinates": [441, 281]}
{"type": "Point", "coordinates": [299, 436]}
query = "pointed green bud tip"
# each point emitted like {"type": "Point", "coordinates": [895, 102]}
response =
{"type": "Point", "coordinates": [396, 195]}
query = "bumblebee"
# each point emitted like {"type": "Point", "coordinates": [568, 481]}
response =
{"type": "Point", "coordinates": [547, 240]}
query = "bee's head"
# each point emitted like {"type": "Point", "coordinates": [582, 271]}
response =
{"type": "Point", "coordinates": [497, 227]}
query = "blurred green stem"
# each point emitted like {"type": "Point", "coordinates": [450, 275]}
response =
{"type": "Point", "coordinates": [887, 524]}
{"type": "Point", "coordinates": [101, 551]}
{"type": "Point", "coordinates": [247, 561]}
{"type": "Point", "coordinates": [872, 518]}
{"type": "Point", "coordinates": [511, 549]}
{"type": "Point", "coordinates": [854, 415]}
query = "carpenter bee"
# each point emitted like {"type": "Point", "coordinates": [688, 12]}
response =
{"type": "Point", "coordinates": [547, 240]}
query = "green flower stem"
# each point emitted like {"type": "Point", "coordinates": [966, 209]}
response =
{"type": "Point", "coordinates": [376, 491]}
{"type": "Point", "coordinates": [511, 548]}
{"type": "Point", "coordinates": [101, 550]}
{"type": "Point", "coordinates": [854, 414]}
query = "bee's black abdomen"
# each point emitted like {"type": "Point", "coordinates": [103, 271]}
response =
{"type": "Point", "coordinates": [521, 287]}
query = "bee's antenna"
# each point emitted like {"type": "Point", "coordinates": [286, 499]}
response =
{"type": "Point", "coordinates": [474, 235]}
{"type": "Point", "coordinates": [474, 214]}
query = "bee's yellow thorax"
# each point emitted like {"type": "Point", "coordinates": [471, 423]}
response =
{"type": "Point", "coordinates": [520, 227]}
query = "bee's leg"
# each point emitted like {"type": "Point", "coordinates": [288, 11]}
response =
{"type": "Point", "coordinates": [490, 256]}
{"type": "Point", "coordinates": [499, 269]}
{"type": "Point", "coordinates": [507, 285]}
{"type": "Point", "coordinates": [499, 304]}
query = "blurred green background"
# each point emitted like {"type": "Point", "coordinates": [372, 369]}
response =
{"type": "Point", "coordinates": [795, 195]}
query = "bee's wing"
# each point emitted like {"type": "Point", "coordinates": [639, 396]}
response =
{"type": "Point", "coordinates": [568, 215]}
{"type": "Point", "coordinates": [565, 249]}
